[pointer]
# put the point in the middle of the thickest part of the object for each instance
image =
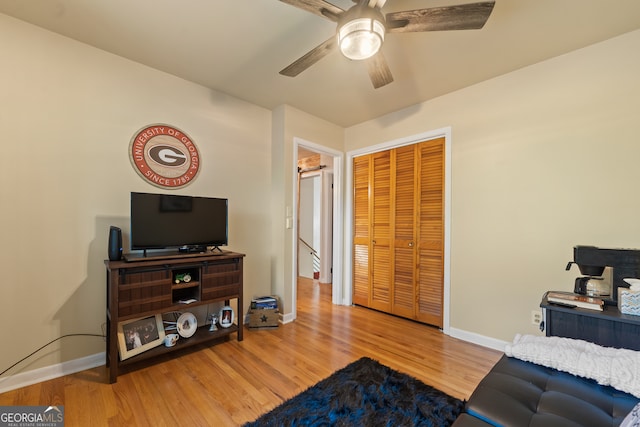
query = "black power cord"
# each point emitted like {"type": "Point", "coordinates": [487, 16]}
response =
{"type": "Point", "coordinates": [46, 345]}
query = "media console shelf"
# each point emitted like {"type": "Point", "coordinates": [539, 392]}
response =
{"type": "Point", "coordinates": [608, 328]}
{"type": "Point", "coordinates": [147, 287]}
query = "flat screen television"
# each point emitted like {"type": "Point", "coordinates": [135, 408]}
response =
{"type": "Point", "coordinates": [165, 221]}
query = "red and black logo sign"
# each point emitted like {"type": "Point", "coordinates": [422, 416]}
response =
{"type": "Point", "coordinates": [164, 156]}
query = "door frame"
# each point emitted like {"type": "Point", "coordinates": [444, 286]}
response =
{"type": "Point", "coordinates": [348, 213]}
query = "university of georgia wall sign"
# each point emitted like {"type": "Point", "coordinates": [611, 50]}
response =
{"type": "Point", "coordinates": [164, 156]}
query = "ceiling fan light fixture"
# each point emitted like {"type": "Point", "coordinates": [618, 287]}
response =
{"type": "Point", "coordinates": [361, 37]}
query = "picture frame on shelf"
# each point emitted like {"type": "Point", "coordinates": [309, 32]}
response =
{"type": "Point", "coordinates": [139, 335]}
{"type": "Point", "coordinates": [226, 316]}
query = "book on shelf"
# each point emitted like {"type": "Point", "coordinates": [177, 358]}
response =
{"type": "Point", "coordinates": [575, 300]}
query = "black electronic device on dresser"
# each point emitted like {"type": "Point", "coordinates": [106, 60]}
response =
{"type": "Point", "coordinates": [114, 250]}
{"type": "Point", "coordinates": [182, 224]}
{"type": "Point", "coordinates": [592, 261]}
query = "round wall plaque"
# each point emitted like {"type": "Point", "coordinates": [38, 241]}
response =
{"type": "Point", "coordinates": [164, 156]}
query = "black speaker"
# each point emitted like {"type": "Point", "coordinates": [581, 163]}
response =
{"type": "Point", "coordinates": [115, 244]}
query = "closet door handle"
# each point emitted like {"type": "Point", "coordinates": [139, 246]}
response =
{"type": "Point", "coordinates": [410, 244]}
{"type": "Point", "coordinates": [373, 241]}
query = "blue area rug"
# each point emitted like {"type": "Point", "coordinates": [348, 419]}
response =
{"type": "Point", "coordinates": [366, 393]}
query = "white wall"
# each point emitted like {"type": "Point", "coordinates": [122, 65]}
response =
{"type": "Point", "coordinates": [67, 113]}
{"type": "Point", "coordinates": [543, 159]}
{"type": "Point", "coordinates": [306, 219]}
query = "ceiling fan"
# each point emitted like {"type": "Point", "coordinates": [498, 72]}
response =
{"type": "Point", "coordinates": [361, 30]}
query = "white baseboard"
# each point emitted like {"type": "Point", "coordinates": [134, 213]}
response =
{"type": "Point", "coordinates": [477, 339]}
{"type": "Point", "coordinates": [287, 318]}
{"type": "Point", "coordinates": [50, 372]}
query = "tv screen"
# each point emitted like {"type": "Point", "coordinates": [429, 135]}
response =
{"type": "Point", "coordinates": [161, 221]}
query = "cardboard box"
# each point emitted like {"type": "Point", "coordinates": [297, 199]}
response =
{"type": "Point", "coordinates": [263, 318]}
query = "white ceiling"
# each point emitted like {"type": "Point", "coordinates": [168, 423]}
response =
{"type": "Point", "coordinates": [238, 46]}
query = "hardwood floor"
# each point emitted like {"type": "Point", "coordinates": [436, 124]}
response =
{"type": "Point", "coordinates": [235, 382]}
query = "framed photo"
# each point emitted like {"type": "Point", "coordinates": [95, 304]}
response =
{"type": "Point", "coordinates": [139, 335]}
{"type": "Point", "coordinates": [226, 317]}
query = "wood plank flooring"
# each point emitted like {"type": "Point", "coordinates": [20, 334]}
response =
{"type": "Point", "coordinates": [235, 382]}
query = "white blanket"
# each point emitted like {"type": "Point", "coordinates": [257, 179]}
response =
{"type": "Point", "coordinates": [619, 368]}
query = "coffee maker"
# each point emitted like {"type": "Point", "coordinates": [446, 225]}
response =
{"type": "Point", "coordinates": [592, 261]}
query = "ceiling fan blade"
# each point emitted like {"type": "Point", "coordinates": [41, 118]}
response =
{"type": "Point", "coordinates": [310, 58]}
{"type": "Point", "coordinates": [317, 7]}
{"type": "Point", "coordinates": [470, 16]}
{"type": "Point", "coordinates": [379, 71]}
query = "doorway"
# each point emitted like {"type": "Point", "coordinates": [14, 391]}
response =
{"type": "Point", "coordinates": [317, 236]}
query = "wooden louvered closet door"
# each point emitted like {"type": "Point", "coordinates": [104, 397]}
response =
{"type": "Point", "coordinates": [361, 239]}
{"type": "Point", "coordinates": [404, 231]}
{"type": "Point", "coordinates": [431, 233]}
{"type": "Point", "coordinates": [380, 250]}
{"type": "Point", "coordinates": [372, 213]}
{"type": "Point", "coordinates": [398, 231]}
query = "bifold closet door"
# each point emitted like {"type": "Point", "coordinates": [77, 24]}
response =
{"type": "Point", "coordinates": [361, 237]}
{"type": "Point", "coordinates": [431, 233]}
{"type": "Point", "coordinates": [403, 224]}
{"type": "Point", "coordinates": [372, 214]}
{"type": "Point", "coordinates": [398, 231]}
{"type": "Point", "coordinates": [380, 223]}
